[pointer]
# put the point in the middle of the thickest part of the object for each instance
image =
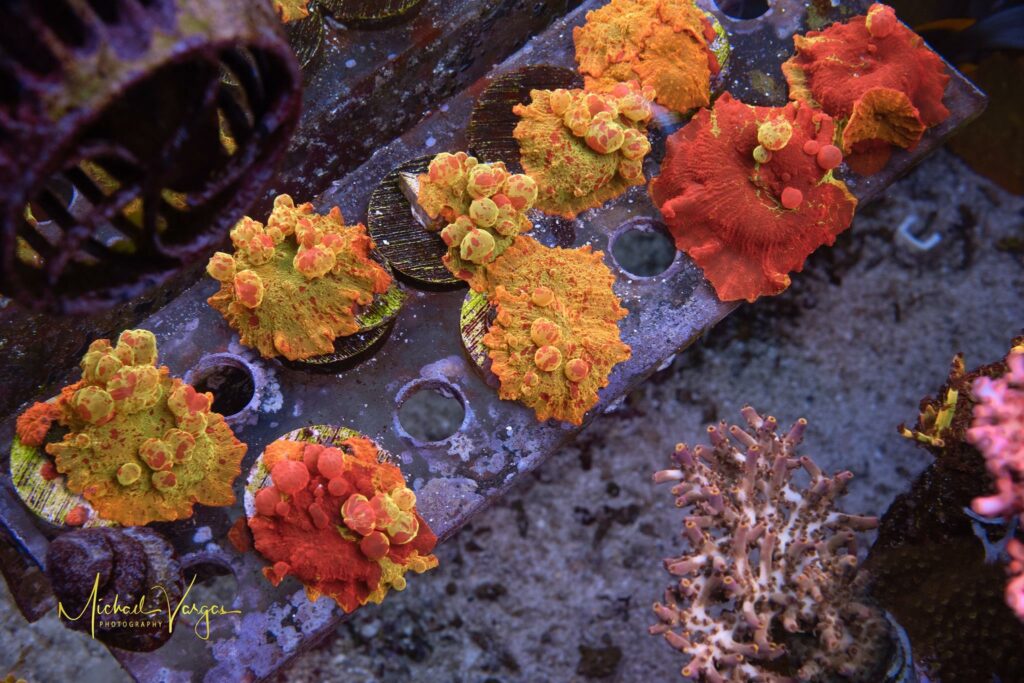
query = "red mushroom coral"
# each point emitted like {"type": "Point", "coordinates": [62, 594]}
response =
{"type": "Point", "coordinates": [665, 44]}
{"type": "Point", "coordinates": [339, 520]}
{"type": "Point", "coordinates": [874, 75]}
{"type": "Point", "coordinates": [748, 193]}
{"type": "Point", "coordinates": [32, 425]}
{"type": "Point", "coordinates": [141, 446]}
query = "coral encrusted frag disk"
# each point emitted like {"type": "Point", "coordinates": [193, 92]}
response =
{"type": "Point", "coordinates": [294, 286]}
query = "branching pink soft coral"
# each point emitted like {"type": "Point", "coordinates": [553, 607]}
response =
{"type": "Point", "coordinates": [768, 587]}
{"type": "Point", "coordinates": [998, 432]}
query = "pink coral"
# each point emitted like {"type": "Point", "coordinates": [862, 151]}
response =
{"type": "Point", "coordinates": [998, 432]}
{"type": "Point", "coordinates": [768, 588]}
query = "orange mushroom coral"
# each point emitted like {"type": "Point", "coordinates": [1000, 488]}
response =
{"type": "Point", "coordinates": [748, 193]}
{"type": "Point", "coordinates": [665, 44]}
{"type": "Point", "coordinates": [583, 148]}
{"type": "Point", "coordinates": [874, 75]}
{"type": "Point", "coordinates": [555, 338]}
{"type": "Point", "coordinates": [481, 208]}
{"type": "Point", "coordinates": [141, 446]}
{"type": "Point", "coordinates": [339, 520]}
{"type": "Point", "coordinates": [291, 10]}
{"type": "Point", "coordinates": [33, 425]}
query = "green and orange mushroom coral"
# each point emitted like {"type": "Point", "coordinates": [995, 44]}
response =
{"type": "Point", "coordinates": [555, 338]}
{"type": "Point", "coordinates": [295, 285]}
{"type": "Point", "coordinates": [141, 446]}
{"type": "Point", "coordinates": [666, 45]}
{"type": "Point", "coordinates": [479, 209]}
{"type": "Point", "coordinates": [583, 148]}
{"type": "Point", "coordinates": [340, 520]}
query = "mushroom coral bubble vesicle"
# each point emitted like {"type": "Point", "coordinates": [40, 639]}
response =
{"type": "Point", "coordinates": [583, 148]}
{"type": "Point", "coordinates": [141, 446]}
{"type": "Point", "coordinates": [768, 587]}
{"type": "Point", "coordinates": [663, 44]}
{"type": "Point", "coordinates": [340, 520]}
{"type": "Point", "coordinates": [748, 193]}
{"type": "Point", "coordinates": [294, 286]}
{"type": "Point", "coordinates": [876, 77]}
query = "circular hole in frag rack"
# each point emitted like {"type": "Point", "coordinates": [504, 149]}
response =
{"type": "Point", "coordinates": [643, 248]}
{"type": "Point", "coordinates": [430, 411]}
{"type": "Point", "coordinates": [231, 379]}
{"type": "Point", "coordinates": [743, 9]}
{"type": "Point", "coordinates": [215, 581]}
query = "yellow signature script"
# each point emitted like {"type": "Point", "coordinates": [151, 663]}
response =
{"type": "Point", "coordinates": [97, 606]}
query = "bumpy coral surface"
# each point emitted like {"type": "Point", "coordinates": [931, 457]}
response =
{"type": "Point", "coordinates": [33, 425]}
{"type": "Point", "coordinates": [481, 206]}
{"type": "Point", "coordinates": [294, 286]}
{"type": "Point", "coordinates": [874, 75]}
{"type": "Point", "coordinates": [583, 148]}
{"type": "Point", "coordinates": [664, 44]}
{"type": "Point", "coordinates": [141, 446]}
{"type": "Point", "coordinates": [291, 10]}
{"type": "Point", "coordinates": [748, 193]}
{"type": "Point", "coordinates": [555, 338]}
{"type": "Point", "coordinates": [340, 521]}
{"type": "Point", "coordinates": [768, 586]}
{"type": "Point", "coordinates": [998, 432]}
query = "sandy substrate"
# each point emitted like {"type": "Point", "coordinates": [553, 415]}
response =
{"type": "Point", "coordinates": [555, 583]}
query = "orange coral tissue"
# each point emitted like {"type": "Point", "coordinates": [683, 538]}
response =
{"type": "Point", "coordinates": [748, 193]}
{"type": "Point", "coordinates": [555, 338]}
{"type": "Point", "coordinates": [665, 44]}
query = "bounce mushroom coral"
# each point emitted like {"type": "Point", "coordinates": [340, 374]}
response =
{"type": "Point", "coordinates": [339, 520]}
{"type": "Point", "coordinates": [141, 446]}
{"type": "Point", "coordinates": [583, 148]}
{"type": "Point", "coordinates": [768, 588]}
{"type": "Point", "coordinates": [876, 77]}
{"type": "Point", "coordinates": [554, 340]}
{"type": "Point", "coordinates": [291, 288]}
{"type": "Point", "coordinates": [481, 206]}
{"type": "Point", "coordinates": [32, 425]}
{"type": "Point", "coordinates": [748, 193]}
{"type": "Point", "coordinates": [291, 10]}
{"type": "Point", "coordinates": [664, 44]}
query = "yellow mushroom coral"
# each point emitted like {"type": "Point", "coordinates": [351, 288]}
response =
{"type": "Point", "coordinates": [142, 446]}
{"type": "Point", "coordinates": [482, 207]}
